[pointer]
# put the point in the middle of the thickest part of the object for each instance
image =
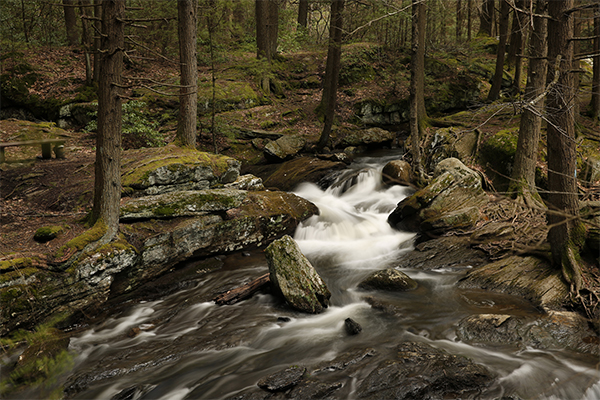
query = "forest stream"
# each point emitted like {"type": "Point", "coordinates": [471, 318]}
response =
{"type": "Point", "coordinates": [189, 348]}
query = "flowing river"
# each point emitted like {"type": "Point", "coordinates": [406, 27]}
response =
{"type": "Point", "coordinates": [186, 347]}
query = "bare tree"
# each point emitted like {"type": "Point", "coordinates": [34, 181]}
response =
{"type": "Point", "coordinates": [523, 174]}
{"type": "Point", "coordinates": [418, 113]}
{"type": "Point", "coordinates": [332, 69]}
{"type": "Point", "coordinates": [187, 11]}
{"type": "Point", "coordinates": [494, 93]}
{"type": "Point", "coordinates": [107, 183]}
{"type": "Point", "coordinates": [566, 234]}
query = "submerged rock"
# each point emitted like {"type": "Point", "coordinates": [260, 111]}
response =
{"type": "Point", "coordinates": [282, 380]}
{"type": "Point", "coordinates": [304, 169]}
{"type": "Point", "coordinates": [295, 278]}
{"type": "Point", "coordinates": [388, 279]}
{"type": "Point", "coordinates": [352, 327]}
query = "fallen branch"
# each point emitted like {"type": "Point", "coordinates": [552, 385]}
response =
{"type": "Point", "coordinates": [243, 292]}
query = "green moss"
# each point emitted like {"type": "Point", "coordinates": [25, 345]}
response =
{"type": "Point", "coordinates": [47, 233]}
{"type": "Point", "coordinates": [77, 244]}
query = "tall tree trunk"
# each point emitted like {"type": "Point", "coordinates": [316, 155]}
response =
{"type": "Point", "coordinates": [565, 234]}
{"type": "Point", "coordinates": [71, 22]}
{"type": "Point", "coordinates": [87, 42]}
{"type": "Point", "coordinates": [303, 13]}
{"type": "Point", "coordinates": [517, 38]}
{"type": "Point", "coordinates": [267, 22]}
{"type": "Point", "coordinates": [523, 174]}
{"type": "Point", "coordinates": [469, 19]}
{"type": "Point", "coordinates": [459, 19]}
{"type": "Point", "coordinates": [418, 113]}
{"type": "Point", "coordinates": [187, 12]}
{"type": "Point", "coordinates": [97, 39]}
{"type": "Point", "coordinates": [595, 104]}
{"type": "Point", "coordinates": [107, 183]}
{"type": "Point", "coordinates": [499, 73]}
{"type": "Point", "coordinates": [486, 17]}
{"type": "Point", "coordinates": [332, 69]}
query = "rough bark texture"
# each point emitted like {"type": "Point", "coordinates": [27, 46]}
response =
{"type": "Point", "coordinates": [187, 12]}
{"type": "Point", "coordinates": [332, 69]}
{"type": "Point", "coordinates": [71, 22]}
{"type": "Point", "coordinates": [523, 176]}
{"type": "Point", "coordinates": [503, 30]}
{"type": "Point", "coordinates": [418, 113]}
{"type": "Point", "coordinates": [267, 18]}
{"type": "Point", "coordinates": [561, 143]}
{"type": "Point", "coordinates": [518, 37]}
{"type": "Point", "coordinates": [107, 184]}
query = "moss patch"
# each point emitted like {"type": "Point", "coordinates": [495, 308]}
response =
{"type": "Point", "coordinates": [47, 233]}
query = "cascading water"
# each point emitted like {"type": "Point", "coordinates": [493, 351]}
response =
{"type": "Point", "coordinates": [189, 348]}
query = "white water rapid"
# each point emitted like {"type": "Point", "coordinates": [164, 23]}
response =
{"type": "Point", "coordinates": [190, 348]}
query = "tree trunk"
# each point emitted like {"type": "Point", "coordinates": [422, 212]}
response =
{"type": "Point", "coordinates": [418, 113]}
{"type": "Point", "coordinates": [486, 17]}
{"type": "Point", "coordinates": [87, 42]}
{"type": "Point", "coordinates": [187, 12]}
{"type": "Point", "coordinates": [523, 175]}
{"type": "Point", "coordinates": [503, 30]}
{"type": "Point", "coordinates": [332, 69]}
{"type": "Point", "coordinates": [459, 19]}
{"type": "Point", "coordinates": [107, 183]}
{"type": "Point", "coordinates": [469, 19]}
{"type": "Point", "coordinates": [71, 22]}
{"type": "Point", "coordinates": [267, 22]}
{"type": "Point", "coordinates": [595, 104]}
{"type": "Point", "coordinates": [97, 41]}
{"type": "Point", "coordinates": [565, 235]}
{"type": "Point", "coordinates": [517, 38]}
{"type": "Point", "coordinates": [303, 13]}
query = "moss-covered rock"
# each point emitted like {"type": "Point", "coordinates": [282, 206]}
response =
{"type": "Point", "coordinates": [284, 148]}
{"type": "Point", "coordinates": [389, 280]}
{"type": "Point", "coordinates": [47, 233]}
{"type": "Point", "coordinates": [295, 278]}
{"type": "Point", "coordinates": [498, 155]}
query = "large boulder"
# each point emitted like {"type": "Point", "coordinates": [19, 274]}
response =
{"type": "Point", "coordinates": [452, 200]}
{"type": "Point", "coordinates": [396, 172]}
{"type": "Point", "coordinates": [284, 148]}
{"type": "Point", "coordinates": [295, 278]}
{"type": "Point", "coordinates": [303, 169]}
{"type": "Point", "coordinates": [450, 142]}
{"type": "Point", "coordinates": [372, 137]}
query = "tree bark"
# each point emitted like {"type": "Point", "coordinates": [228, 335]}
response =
{"type": "Point", "coordinates": [332, 69]}
{"type": "Point", "coordinates": [595, 104]}
{"type": "Point", "coordinates": [187, 12]}
{"type": "Point", "coordinates": [523, 175]}
{"type": "Point", "coordinates": [418, 113]}
{"type": "Point", "coordinates": [517, 38]}
{"type": "Point", "coordinates": [71, 23]}
{"type": "Point", "coordinates": [469, 19]}
{"type": "Point", "coordinates": [303, 13]}
{"type": "Point", "coordinates": [267, 22]}
{"type": "Point", "coordinates": [494, 93]}
{"type": "Point", "coordinates": [107, 183]}
{"type": "Point", "coordinates": [459, 20]}
{"type": "Point", "coordinates": [565, 230]}
{"type": "Point", "coordinates": [486, 17]}
{"type": "Point", "coordinates": [97, 42]}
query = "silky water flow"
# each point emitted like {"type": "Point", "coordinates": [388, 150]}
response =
{"type": "Point", "coordinates": [200, 350]}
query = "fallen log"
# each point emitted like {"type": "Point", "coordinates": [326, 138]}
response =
{"type": "Point", "coordinates": [243, 292]}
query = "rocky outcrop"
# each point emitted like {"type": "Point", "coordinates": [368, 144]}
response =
{"type": "Point", "coordinates": [451, 142]}
{"type": "Point", "coordinates": [304, 169]}
{"type": "Point", "coordinates": [372, 137]}
{"type": "Point", "coordinates": [451, 201]}
{"type": "Point", "coordinates": [295, 278]}
{"type": "Point", "coordinates": [389, 280]}
{"type": "Point", "coordinates": [284, 148]}
{"type": "Point", "coordinates": [554, 330]}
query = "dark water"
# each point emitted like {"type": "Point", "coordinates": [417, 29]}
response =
{"type": "Point", "coordinates": [193, 349]}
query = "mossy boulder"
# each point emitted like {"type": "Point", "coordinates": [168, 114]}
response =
{"type": "Point", "coordinates": [171, 168]}
{"type": "Point", "coordinates": [375, 112]}
{"type": "Point", "coordinates": [295, 278]}
{"type": "Point", "coordinates": [450, 142]}
{"type": "Point", "coordinates": [389, 279]}
{"type": "Point", "coordinates": [372, 137]}
{"type": "Point", "coordinates": [284, 148]}
{"type": "Point", "coordinates": [47, 233]}
{"type": "Point", "coordinates": [451, 200]}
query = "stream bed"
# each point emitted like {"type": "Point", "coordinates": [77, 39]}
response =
{"type": "Point", "coordinates": [183, 346]}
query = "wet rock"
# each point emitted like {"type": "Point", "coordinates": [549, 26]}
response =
{"type": "Point", "coordinates": [390, 280]}
{"type": "Point", "coordinates": [284, 148]}
{"type": "Point", "coordinates": [555, 330]}
{"type": "Point", "coordinates": [133, 392]}
{"type": "Point", "coordinates": [396, 172]}
{"type": "Point", "coordinates": [282, 380]}
{"type": "Point", "coordinates": [352, 327]}
{"type": "Point", "coordinates": [450, 142]}
{"type": "Point", "coordinates": [304, 169]}
{"type": "Point", "coordinates": [527, 277]}
{"type": "Point", "coordinates": [295, 278]}
{"type": "Point", "coordinates": [246, 182]}
{"type": "Point", "coordinates": [444, 252]}
{"type": "Point", "coordinates": [419, 371]}
{"type": "Point", "coordinates": [450, 201]}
